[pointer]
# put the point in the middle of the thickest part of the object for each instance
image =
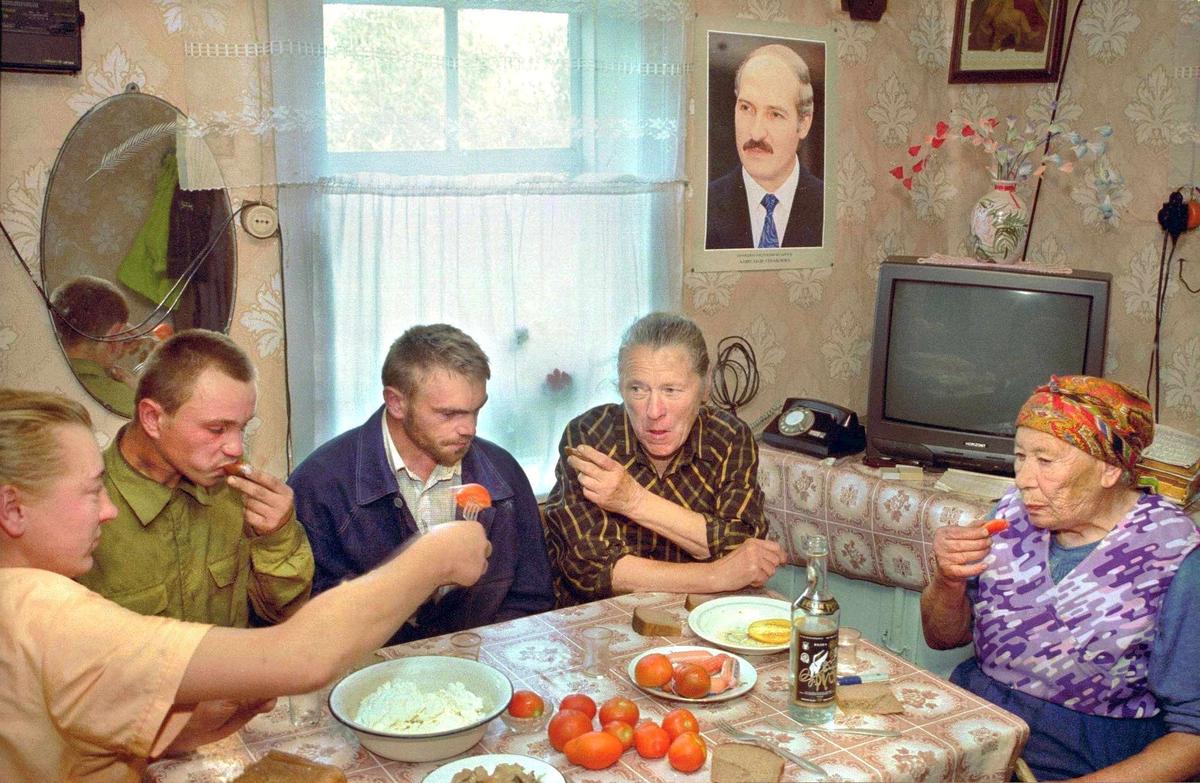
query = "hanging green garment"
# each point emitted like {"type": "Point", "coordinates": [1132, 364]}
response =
{"type": "Point", "coordinates": [144, 268]}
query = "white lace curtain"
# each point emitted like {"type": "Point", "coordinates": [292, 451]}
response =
{"type": "Point", "coordinates": [545, 266]}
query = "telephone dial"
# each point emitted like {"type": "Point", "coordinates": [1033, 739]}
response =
{"type": "Point", "coordinates": [820, 429]}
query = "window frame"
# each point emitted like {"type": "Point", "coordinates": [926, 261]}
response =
{"type": "Point", "coordinates": [453, 160]}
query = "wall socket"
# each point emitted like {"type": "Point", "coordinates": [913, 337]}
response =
{"type": "Point", "coordinates": [260, 220]}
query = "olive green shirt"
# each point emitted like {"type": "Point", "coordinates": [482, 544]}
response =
{"type": "Point", "coordinates": [116, 395]}
{"type": "Point", "coordinates": [187, 553]}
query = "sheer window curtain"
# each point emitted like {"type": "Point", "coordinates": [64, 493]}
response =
{"type": "Point", "coordinates": [544, 268]}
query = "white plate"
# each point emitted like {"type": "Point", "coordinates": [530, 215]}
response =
{"type": "Point", "coordinates": [747, 675]}
{"type": "Point", "coordinates": [540, 769]}
{"type": "Point", "coordinates": [723, 622]}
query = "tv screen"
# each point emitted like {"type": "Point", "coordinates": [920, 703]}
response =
{"type": "Point", "coordinates": [958, 349]}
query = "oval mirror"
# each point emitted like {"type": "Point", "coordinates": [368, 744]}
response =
{"type": "Point", "coordinates": [128, 257]}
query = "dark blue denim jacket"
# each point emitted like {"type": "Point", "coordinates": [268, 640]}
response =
{"type": "Point", "coordinates": [350, 505]}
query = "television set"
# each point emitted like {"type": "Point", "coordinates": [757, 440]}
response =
{"type": "Point", "coordinates": [959, 348]}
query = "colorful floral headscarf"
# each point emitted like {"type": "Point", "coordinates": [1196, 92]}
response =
{"type": "Point", "coordinates": [1106, 419]}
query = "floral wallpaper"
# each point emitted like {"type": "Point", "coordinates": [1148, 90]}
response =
{"type": "Point", "coordinates": [132, 42]}
{"type": "Point", "coordinates": [811, 330]}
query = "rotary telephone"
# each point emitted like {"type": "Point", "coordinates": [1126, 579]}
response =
{"type": "Point", "coordinates": [820, 429]}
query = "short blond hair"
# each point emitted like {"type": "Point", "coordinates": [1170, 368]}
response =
{"type": "Point", "coordinates": [173, 367]}
{"type": "Point", "coordinates": [429, 347]}
{"type": "Point", "coordinates": [30, 454]}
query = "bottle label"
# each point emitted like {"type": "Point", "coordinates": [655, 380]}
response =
{"type": "Point", "coordinates": [816, 668]}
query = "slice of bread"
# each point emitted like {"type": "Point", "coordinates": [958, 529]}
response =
{"type": "Point", "coordinates": [280, 767]}
{"type": "Point", "coordinates": [656, 622]}
{"type": "Point", "coordinates": [740, 762]}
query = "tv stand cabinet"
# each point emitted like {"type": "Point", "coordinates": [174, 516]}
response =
{"type": "Point", "coordinates": [880, 541]}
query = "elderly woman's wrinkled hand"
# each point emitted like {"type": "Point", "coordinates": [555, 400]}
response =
{"type": "Point", "coordinates": [959, 551]}
{"type": "Point", "coordinates": [605, 481]}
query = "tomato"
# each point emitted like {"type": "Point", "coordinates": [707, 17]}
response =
{"type": "Point", "coordinates": [526, 704]}
{"type": "Point", "coordinates": [653, 670]}
{"type": "Point", "coordinates": [619, 708]}
{"type": "Point", "coordinates": [692, 681]}
{"type": "Point", "coordinates": [566, 726]}
{"type": "Point", "coordinates": [996, 526]}
{"type": "Point", "coordinates": [473, 493]}
{"type": "Point", "coordinates": [678, 721]}
{"type": "Point", "coordinates": [594, 750]}
{"type": "Point", "coordinates": [577, 701]}
{"type": "Point", "coordinates": [651, 740]}
{"type": "Point", "coordinates": [622, 731]}
{"type": "Point", "coordinates": [687, 752]}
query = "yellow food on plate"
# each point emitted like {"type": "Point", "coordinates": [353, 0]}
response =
{"type": "Point", "coordinates": [770, 631]}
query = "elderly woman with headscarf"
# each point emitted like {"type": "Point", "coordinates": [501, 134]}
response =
{"type": "Point", "coordinates": [1080, 610]}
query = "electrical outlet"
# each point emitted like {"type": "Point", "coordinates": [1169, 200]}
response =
{"type": "Point", "coordinates": [260, 220]}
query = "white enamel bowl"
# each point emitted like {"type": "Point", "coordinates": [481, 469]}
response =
{"type": "Point", "coordinates": [429, 673]}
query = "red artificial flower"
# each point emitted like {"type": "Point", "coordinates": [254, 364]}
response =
{"type": "Point", "coordinates": [898, 172]}
{"type": "Point", "coordinates": [557, 380]}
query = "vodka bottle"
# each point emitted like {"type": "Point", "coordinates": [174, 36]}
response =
{"type": "Point", "coordinates": [814, 645]}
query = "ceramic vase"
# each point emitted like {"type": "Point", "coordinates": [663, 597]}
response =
{"type": "Point", "coordinates": [999, 224]}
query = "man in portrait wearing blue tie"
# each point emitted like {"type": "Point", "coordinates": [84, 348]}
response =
{"type": "Point", "coordinates": [771, 199]}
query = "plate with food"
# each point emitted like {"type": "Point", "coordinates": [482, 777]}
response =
{"type": "Point", "coordinates": [496, 768]}
{"type": "Point", "coordinates": [685, 672]}
{"type": "Point", "coordinates": [746, 624]}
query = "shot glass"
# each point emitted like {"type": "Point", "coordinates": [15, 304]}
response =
{"type": "Point", "coordinates": [305, 710]}
{"type": "Point", "coordinates": [595, 647]}
{"type": "Point", "coordinates": [847, 660]}
{"type": "Point", "coordinates": [465, 645]}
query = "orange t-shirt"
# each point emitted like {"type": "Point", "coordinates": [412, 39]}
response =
{"type": "Point", "coordinates": [88, 686]}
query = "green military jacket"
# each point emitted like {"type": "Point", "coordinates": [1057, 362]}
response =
{"type": "Point", "coordinates": [187, 553]}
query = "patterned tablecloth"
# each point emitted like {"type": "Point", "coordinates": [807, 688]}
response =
{"type": "Point", "coordinates": [878, 530]}
{"type": "Point", "coordinates": [948, 734]}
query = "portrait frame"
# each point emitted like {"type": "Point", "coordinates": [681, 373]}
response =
{"type": "Point", "coordinates": [719, 47]}
{"type": "Point", "coordinates": [995, 41]}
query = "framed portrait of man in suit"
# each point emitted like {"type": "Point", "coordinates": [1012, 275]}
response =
{"type": "Point", "coordinates": [766, 202]}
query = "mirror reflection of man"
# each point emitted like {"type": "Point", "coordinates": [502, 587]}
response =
{"type": "Point", "coordinates": [771, 199]}
{"type": "Point", "coordinates": [86, 307]}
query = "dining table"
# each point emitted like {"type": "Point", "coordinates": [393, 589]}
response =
{"type": "Point", "coordinates": [943, 732]}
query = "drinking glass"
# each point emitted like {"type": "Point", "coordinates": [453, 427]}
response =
{"type": "Point", "coordinates": [848, 639]}
{"type": "Point", "coordinates": [596, 642]}
{"type": "Point", "coordinates": [465, 645]}
{"type": "Point", "coordinates": [306, 709]}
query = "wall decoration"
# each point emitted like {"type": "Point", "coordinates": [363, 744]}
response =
{"type": "Point", "coordinates": [768, 198]}
{"type": "Point", "coordinates": [1007, 40]}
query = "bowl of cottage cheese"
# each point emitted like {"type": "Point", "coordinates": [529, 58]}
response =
{"type": "Point", "coordinates": [424, 708]}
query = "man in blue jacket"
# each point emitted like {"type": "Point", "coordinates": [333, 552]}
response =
{"type": "Point", "coordinates": [364, 494]}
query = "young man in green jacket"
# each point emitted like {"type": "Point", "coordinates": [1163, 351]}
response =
{"type": "Point", "coordinates": [190, 541]}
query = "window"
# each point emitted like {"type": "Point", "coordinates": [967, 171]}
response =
{"type": "Point", "coordinates": [512, 167]}
{"type": "Point", "coordinates": [454, 90]}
